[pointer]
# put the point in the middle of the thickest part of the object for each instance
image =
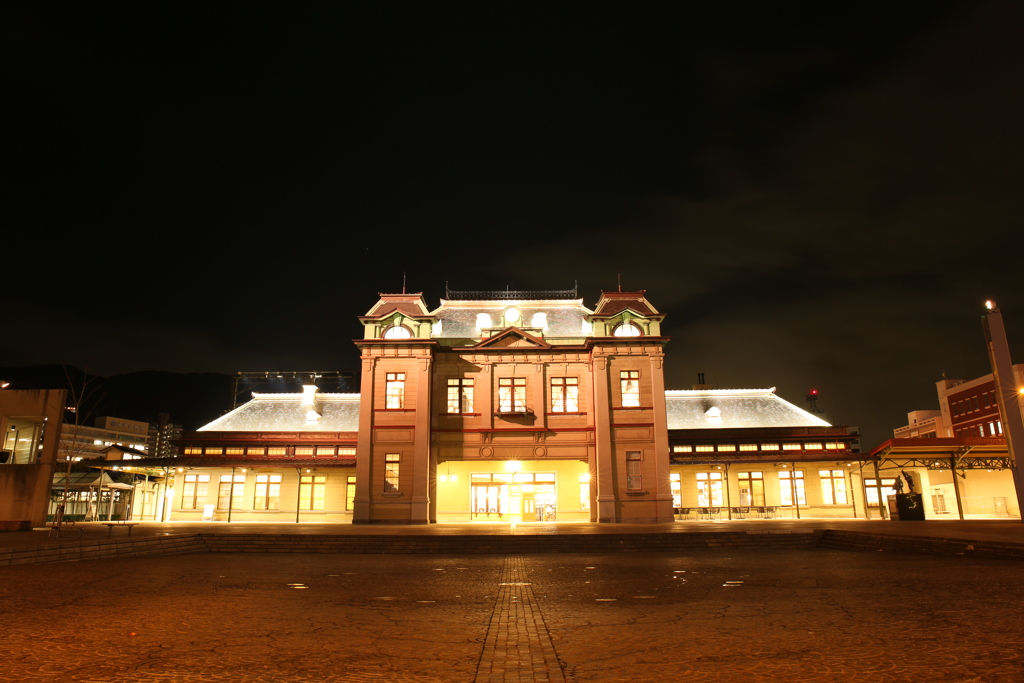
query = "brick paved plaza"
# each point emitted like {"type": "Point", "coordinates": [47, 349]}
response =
{"type": "Point", "coordinates": [731, 614]}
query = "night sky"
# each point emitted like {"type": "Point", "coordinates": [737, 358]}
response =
{"type": "Point", "coordinates": [815, 194]}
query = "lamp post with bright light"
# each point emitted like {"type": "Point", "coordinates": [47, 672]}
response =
{"type": "Point", "coordinates": [1008, 394]}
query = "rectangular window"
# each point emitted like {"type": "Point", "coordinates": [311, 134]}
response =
{"type": "Point", "coordinates": [871, 486]}
{"type": "Point", "coordinates": [350, 492]}
{"type": "Point", "coordinates": [709, 489]}
{"type": "Point", "coordinates": [682, 449]}
{"type": "Point", "coordinates": [584, 492]}
{"type": "Point", "coordinates": [634, 465]}
{"type": "Point", "coordinates": [324, 451]}
{"type": "Point", "coordinates": [460, 396]}
{"type": "Point", "coordinates": [255, 450]}
{"type": "Point", "coordinates": [705, 448]}
{"type": "Point", "coordinates": [512, 395]}
{"type": "Point", "coordinates": [312, 488]}
{"type": "Point", "coordinates": [276, 450]}
{"type": "Point", "coordinates": [675, 486]}
{"type": "Point", "coordinates": [833, 446]}
{"type": "Point", "coordinates": [342, 450]}
{"type": "Point", "coordinates": [392, 465]}
{"type": "Point", "coordinates": [565, 395]}
{"type": "Point", "coordinates": [214, 450]}
{"type": "Point", "coordinates": [769, 447]}
{"type": "Point", "coordinates": [748, 446]}
{"type": "Point", "coordinates": [303, 450]}
{"type": "Point", "coordinates": [726, 447]}
{"type": "Point", "coordinates": [751, 486]}
{"type": "Point", "coordinates": [395, 390]}
{"type": "Point", "coordinates": [833, 486]}
{"type": "Point", "coordinates": [629, 381]}
{"type": "Point", "coordinates": [193, 494]}
{"type": "Point", "coordinates": [231, 495]}
{"type": "Point", "coordinates": [812, 446]}
{"type": "Point", "coordinates": [268, 492]}
{"type": "Point", "coordinates": [792, 484]}
{"type": "Point", "coordinates": [790, 446]}
{"type": "Point", "coordinates": [234, 450]}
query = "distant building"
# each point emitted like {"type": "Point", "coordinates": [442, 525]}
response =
{"type": "Point", "coordinates": [81, 442]}
{"type": "Point", "coordinates": [956, 454]}
{"type": "Point", "coordinates": [160, 440]}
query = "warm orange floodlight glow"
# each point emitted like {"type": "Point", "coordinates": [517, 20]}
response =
{"type": "Point", "coordinates": [990, 305]}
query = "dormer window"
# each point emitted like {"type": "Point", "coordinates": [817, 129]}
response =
{"type": "Point", "coordinates": [512, 315]}
{"type": "Point", "coordinates": [398, 332]}
{"type": "Point", "coordinates": [540, 320]}
{"type": "Point", "coordinates": [483, 321]}
{"type": "Point", "coordinates": [627, 330]}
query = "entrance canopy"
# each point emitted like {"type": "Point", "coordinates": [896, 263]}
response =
{"type": "Point", "coordinates": [947, 453]}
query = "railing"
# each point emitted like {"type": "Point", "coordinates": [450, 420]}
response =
{"type": "Point", "coordinates": [511, 294]}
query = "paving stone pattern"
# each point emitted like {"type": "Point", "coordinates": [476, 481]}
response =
{"type": "Point", "coordinates": [733, 614]}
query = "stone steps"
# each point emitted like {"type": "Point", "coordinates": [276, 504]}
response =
{"type": "Point", "coordinates": [856, 540]}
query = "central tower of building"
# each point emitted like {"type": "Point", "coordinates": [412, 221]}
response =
{"type": "Point", "coordinates": [512, 406]}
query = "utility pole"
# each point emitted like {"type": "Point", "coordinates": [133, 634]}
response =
{"type": "Point", "coordinates": [1007, 392]}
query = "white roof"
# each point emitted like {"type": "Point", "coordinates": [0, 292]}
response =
{"type": "Point", "coordinates": [732, 408]}
{"type": "Point", "coordinates": [286, 413]}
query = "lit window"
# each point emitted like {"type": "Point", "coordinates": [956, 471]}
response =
{"type": "Point", "coordinates": [512, 395]}
{"type": "Point", "coordinates": [833, 446]}
{"type": "Point", "coordinates": [312, 488]}
{"type": "Point", "coordinates": [303, 450]}
{"type": "Point", "coordinates": [705, 448]}
{"type": "Point", "coordinates": [565, 395]}
{"type": "Point", "coordinates": [324, 451]}
{"type": "Point", "coordinates": [682, 449]}
{"type": "Point", "coordinates": [276, 450]}
{"type": "Point", "coordinates": [460, 395]}
{"type": "Point", "coordinates": [231, 496]}
{"type": "Point", "coordinates": [584, 492]}
{"type": "Point", "coordinates": [193, 493]}
{"type": "Point", "coordinates": [392, 465]}
{"type": "Point", "coordinates": [397, 332]}
{"type": "Point", "coordinates": [394, 394]}
{"type": "Point", "coordinates": [626, 330]}
{"type": "Point", "coordinates": [634, 465]}
{"type": "Point", "coordinates": [346, 451]}
{"type": "Point", "coordinates": [483, 321]}
{"type": "Point", "coordinates": [790, 446]}
{"type": "Point", "coordinates": [833, 486]}
{"type": "Point", "coordinates": [210, 450]}
{"type": "Point", "coordinates": [748, 446]}
{"type": "Point", "coordinates": [350, 492]}
{"type": "Point", "coordinates": [812, 446]}
{"type": "Point", "coordinates": [539, 320]}
{"type": "Point", "coordinates": [255, 450]}
{"type": "Point", "coordinates": [726, 447]}
{"type": "Point", "coordinates": [268, 492]}
{"type": "Point", "coordinates": [791, 483]}
{"type": "Point", "coordinates": [751, 485]}
{"type": "Point", "coordinates": [234, 450]}
{"type": "Point", "coordinates": [769, 447]}
{"type": "Point", "coordinates": [629, 381]}
{"type": "Point", "coordinates": [675, 486]}
{"type": "Point", "coordinates": [709, 489]}
{"type": "Point", "coordinates": [872, 489]}
{"type": "Point", "coordinates": [512, 315]}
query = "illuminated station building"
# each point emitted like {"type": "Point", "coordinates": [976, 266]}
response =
{"type": "Point", "coordinates": [514, 406]}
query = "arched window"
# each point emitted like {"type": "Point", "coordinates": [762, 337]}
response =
{"type": "Point", "coordinates": [540, 320]}
{"type": "Point", "coordinates": [627, 330]}
{"type": "Point", "coordinates": [397, 332]}
{"type": "Point", "coordinates": [483, 321]}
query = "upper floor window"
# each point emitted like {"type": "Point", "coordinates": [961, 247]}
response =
{"type": "Point", "coordinates": [460, 395]}
{"type": "Point", "coordinates": [627, 330]}
{"type": "Point", "coordinates": [395, 390]}
{"type": "Point", "coordinates": [629, 381]}
{"type": "Point", "coordinates": [512, 315]}
{"type": "Point", "coordinates": [512, 395]}
{"type": "Point", "coordinates": [483, 321]}
{"type": "Point", "coordinates": [565, 395]}
{"type": "Point", "coordinates": [397, 332]}
{"type": "Point", "coordinates": [539, 320]}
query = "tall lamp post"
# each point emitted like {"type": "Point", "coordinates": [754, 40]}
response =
{"type": "Point", "coordinates": [1007, 392]}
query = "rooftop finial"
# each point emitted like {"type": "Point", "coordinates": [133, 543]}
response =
{"type": "Point", "coordinates": [403, 282]}
{"type": "Point", "coordinates": [619, 276]}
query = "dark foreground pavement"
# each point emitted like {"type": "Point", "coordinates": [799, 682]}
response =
{"type": "Point", "coordinates": [707, 615]}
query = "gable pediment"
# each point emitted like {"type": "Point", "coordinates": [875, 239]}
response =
{"type": "Point", "coordinates": [514, 338]}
